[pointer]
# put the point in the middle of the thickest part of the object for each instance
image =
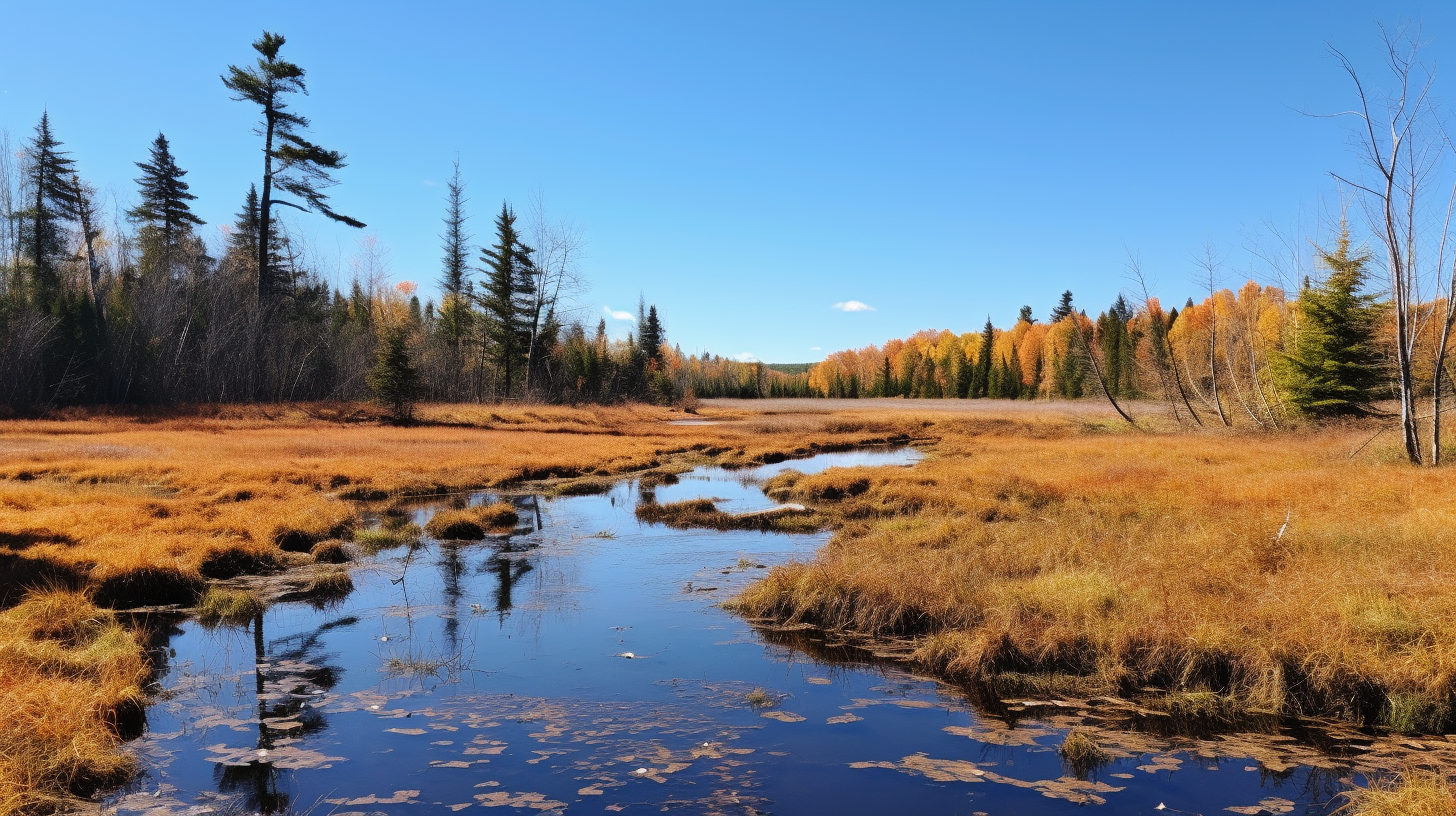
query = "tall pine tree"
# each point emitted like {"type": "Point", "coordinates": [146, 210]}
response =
{"type": "Point", "coordinates": [54, 201]}
{"type": "Point", "coordinates": [291, 163]}
{"type": "Point", "coordinates": [165, 216]}
{"type": "Point", "coordinates": [981, 375]}
{"type": "Point", "coordinates": [455, 285]}
{"type": "Point", "coordinates": [509, 282]}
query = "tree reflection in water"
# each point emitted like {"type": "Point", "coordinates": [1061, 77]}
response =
{"type": "Point", "coordinates": [285, 684]}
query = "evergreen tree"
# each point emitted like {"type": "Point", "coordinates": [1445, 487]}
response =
{"type": "Point", "coordinates": [1063, 307]}
{"type": "Point", "coordinates": [54, 201]}
{"type": "Point", "coordinates": [166, 218]}
{"type": "Point", "coordinates": [651, 337]}
{"type": "Point", "coordinates": [291, 163]}
{"type": "Point", "coordinates": [394, 381]}
{"type": "Point", "coordinates": [243, 238]}
{"type": "Point", "coordinates": [885, 386]}
{"type": "Point", "coordinates": [964, 373]}
{"type": "Point", "coordinates": [455, 315]}
{"type": "Point", "coordinates": [1011, 388]}
{"type": "Point", "coordinates": [1331, 365]}
{"type": "Point", "coordinates": [1117, 348]}
{"type": "Point", "coordinates": [981, 377]}
{"type": "Point", "coordinates": [509, 283]}
{"type": "Point", "coordinates": [1025, 316]}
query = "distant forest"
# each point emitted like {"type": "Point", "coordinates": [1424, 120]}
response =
{"type": "Point", "coordinates": [129, 305]}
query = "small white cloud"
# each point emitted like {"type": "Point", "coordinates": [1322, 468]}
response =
{"type": "Point", "coordinates": [815, 348]}
{"type": "Point", "coordinates": [430, 183]}
{"type": "Point", "coordinates": [853, 306]}
{"type": "Point", "coordinates": [746, 357]}
{"type": "Point", "coordinates": [607, 310]}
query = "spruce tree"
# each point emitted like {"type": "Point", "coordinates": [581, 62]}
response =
{"type": "Point", "coordinates": [964, 373]}
{"type": "Point", "coordinates": [291, 163]}
{"type": "Point", "coordinates": [509, 283]}
{"type": "Point", "coordinates": [981, 377]}
{"type": "Point", "coordinates": [166, 218]}
{"type": "Point", "coordinates": [1331, 364]}
{"type": "Point", "coordinates": [651, 337]}
{"type": "Point", "coordinates": [1063, 307]}
{"type": "Point", "coordinates": [1011, 388]}
{"type": "Point", "coordinates": [1025, 315]}
{"type": "Point", "coordinates": [54, 200]}
{"type": "Point", "coordinates": [393, 379]}
{"type": "Point", "coordinates": [455, 288]}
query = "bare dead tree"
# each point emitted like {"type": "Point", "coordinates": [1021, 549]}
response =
{"type": "Point", "coordinates": [1080, 333]}
{"type": "Point", "coordinates": [1209, 263]}
{"type": "Point", "coordinates": [1391, 139]}
{"type": "Point", "coordinates": [559, 247]}
{"type": "Point", "coordinates": [1164, 365]}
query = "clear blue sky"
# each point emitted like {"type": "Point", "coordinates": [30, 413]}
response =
{"type": "Point", "coordinates": [748, 165]}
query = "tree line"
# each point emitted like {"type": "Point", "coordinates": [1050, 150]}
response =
{"type": "Point", "coordinates": [1253, 356]}
{"type": "Point", "coordinates": [132, 306]}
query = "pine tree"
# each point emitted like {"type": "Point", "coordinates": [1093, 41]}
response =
{"type": "Point", "coordinates": [1063, 307]}
{"type": "Point", "coordinates": [964, 373]}
{"type": "Point", "coordinates": [1117, 347]}
{"type": "Point", "coordinates": [509, 282]}
{"type": "Point", "coordinates": [54, 201]}
{"type": "Point", "coordinates": [394, 381]}
{"type": "Point", "coordinates": [651, 337]}
{"type": "Point", "coordinates": [981, 385]}
{"type": "Point", "coordinates": [1025, 315]}
{"type": "Point", "coordinates": [455, 315]}
{"type": "Point", "coordinates": [1331, 364]}
{"type": "Point", "coordinates": [1011, 389]}
{"type": "Point", "coordinates": [291, 163]}
{"type": "Point", "coordinates": [243, 239]}
{"type": "Point", "coordinates": [166, 218]}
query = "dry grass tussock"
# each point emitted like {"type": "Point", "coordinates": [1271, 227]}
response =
{"type": "Point", "coordinates": [1414, 793]}
{"type": "Point", "coordinates": [70, 676]}
{"type": "Point", "coordinates": [472, 523]}
{"type": "Point", "coordinates": [1149, 560]}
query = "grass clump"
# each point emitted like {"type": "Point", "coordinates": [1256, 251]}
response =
{"type": "Point", "coordinates": [472, 523]}
{"type": "Point", "coordinates": [760, 699]}
{"type": "Point", "coordinates": [220, 605]}
{"type": "Point", "coordinates": [1081, 751]}
{"type": "Point", "coordinates": [1416, 713]}
{"type": "Point", "coordinates": [704, 514]}
{"type": "Point", "coordinates": [329, 584]}
{"type": "Point", "coordinates": [332, 551]}
{"type": "Point", "coordinates": [378, 539]}
{"type": "Point", "coordinates": [71, 676]}
{"type": "Point", "coordinates": [1413, 793]}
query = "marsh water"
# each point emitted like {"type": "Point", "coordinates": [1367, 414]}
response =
{"type": "Point", "coordinates": [583, 665]}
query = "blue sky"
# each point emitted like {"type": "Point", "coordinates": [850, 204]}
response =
{"type": "Point", "coordinates": [749, 165]}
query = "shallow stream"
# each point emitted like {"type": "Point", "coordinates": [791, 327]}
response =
{"type": "Point", "coordinates": [582, 665]}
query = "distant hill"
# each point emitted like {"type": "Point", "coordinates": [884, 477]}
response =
{"type": "Point", "coordinates": [790, 368]}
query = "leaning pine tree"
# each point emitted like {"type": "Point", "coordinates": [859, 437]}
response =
{"type": "Point", "coordinates": [1330, 365]}
{"type": "Point", "coordinates": [291, 163]}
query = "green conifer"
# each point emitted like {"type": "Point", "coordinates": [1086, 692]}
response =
{"type": "Point", "coordinates": [165, 217]}
{"type": "Point", "coordinates": [54, 200]}
{"type": "Point", "coordinates": [1330, 365]}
